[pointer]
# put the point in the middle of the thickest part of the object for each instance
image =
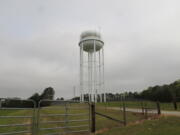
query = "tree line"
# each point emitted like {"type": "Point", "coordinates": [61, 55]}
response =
{"type": "Point", "coordinates": [47, 94]}
{"type": "Point", "coordinates": [164, 93]}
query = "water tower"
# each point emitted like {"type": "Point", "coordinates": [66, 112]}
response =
{"type": "Point", "coordinates": [92, 67]}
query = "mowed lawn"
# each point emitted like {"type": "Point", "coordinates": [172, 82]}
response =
{"type": "Point", "coordinates": [138, 104]}
{"type": "Point", "coordinates": [163, 126]}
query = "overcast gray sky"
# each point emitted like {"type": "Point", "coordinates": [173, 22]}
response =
{"type": "Point", "coordinates": [39, 43]}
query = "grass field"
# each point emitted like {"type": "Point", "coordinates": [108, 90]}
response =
{"type": "Point", "coordinates": [138, 104]}
{"type": "Point", "coordinates": [162, 126]}
{"type": "Point", "coordinates": [102, 123]}
{"type": "Point", "coordinates": [11, 120]}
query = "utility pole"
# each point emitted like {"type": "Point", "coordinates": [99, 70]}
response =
{"type": "Point", "coordinates": [74, 91]}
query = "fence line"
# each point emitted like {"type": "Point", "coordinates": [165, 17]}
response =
{"type": "Point", "coordinates": [70, 117]}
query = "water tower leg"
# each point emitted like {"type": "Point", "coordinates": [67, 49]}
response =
{"type": "Point", "coordinates": [103, 74]}
{"type": "Point", "coordinates": [81, 74]}
{"type": "Point", "coordinates": [90, 75]}
{"type": "Point", "coordinates": [100, 77]}
{"type": "Point", "coordinates": [95, 72]}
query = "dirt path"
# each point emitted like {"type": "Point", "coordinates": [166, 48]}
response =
{"type": "Point", "coordinates": [174, 113]}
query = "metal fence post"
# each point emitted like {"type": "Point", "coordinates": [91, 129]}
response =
{"type": "Point", "coordinates": [38, 117]}
{"type": "Point", "coordinates": [146, 113]}
{"type": "Point", "coordinates": [93, 118]}
{"type": "Point", "coordinates": [142, 105]}
{"type": "Point", "coordinates": [158, 108]}
{"type": "Point", "coordinates": [124, 113]}
{"type": "Point", "coordinates": [33, 118]}
{"type": "Point", "coordinates": [66, 116]}
{"type": "Point", "coordinates": [175, 104]}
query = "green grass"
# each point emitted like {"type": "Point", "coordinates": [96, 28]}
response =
{"type": "Point", "coordinates": [101, 122]}
{"type": "Point", "coordinates": [138, 104]}
{"type": "Point", "coordinates": [117, 114]}
{"type": "Point", "coordinates": [61, 110]}
{"type": "Point", "coordinates": [162, 126]}
{"type": "Point", "coordinates": [169, 106]}
{"type": "Point", "coordinates": [5, 121]}
{"type": "Point", "coordinates": [44, 111]}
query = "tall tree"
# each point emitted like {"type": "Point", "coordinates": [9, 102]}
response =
{"type": "Point", "coordinates": [48, 93]}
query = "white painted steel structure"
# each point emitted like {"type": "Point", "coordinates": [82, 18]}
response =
{"type": "Point", "coordinates": [92, 66]}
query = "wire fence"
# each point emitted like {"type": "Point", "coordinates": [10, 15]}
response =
{"type": "Point", "coordinates": [55, 117]}
{"type": "Point", "coordinates": [120, 113]}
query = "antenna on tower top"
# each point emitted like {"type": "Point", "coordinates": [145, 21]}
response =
{"type": "Point", "coordinates": [99, 28]}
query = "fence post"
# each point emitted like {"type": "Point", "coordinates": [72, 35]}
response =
{"type": "Point", "coordinates": [175, 104]}
{"type": "Point", "coordinates": [146, 113]}
{"type": "Point", "coordinates": [93, 118]}
{"type": "Point", "coordinates": [142, 105]}
{"type": "Point", "coordinates": [124, 113]}
{"type": "Point", "coordinates": [38, 116]}
{"type": "Point", "coordinates": [34, 118]}
{"type": "Point", "coordinates": [158, 108]}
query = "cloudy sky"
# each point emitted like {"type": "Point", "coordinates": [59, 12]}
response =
{"type": "Point", "coordinates": [39, 43]}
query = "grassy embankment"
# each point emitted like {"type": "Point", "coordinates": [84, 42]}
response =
{"type": "Point", "coordinates": [162, 126]}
